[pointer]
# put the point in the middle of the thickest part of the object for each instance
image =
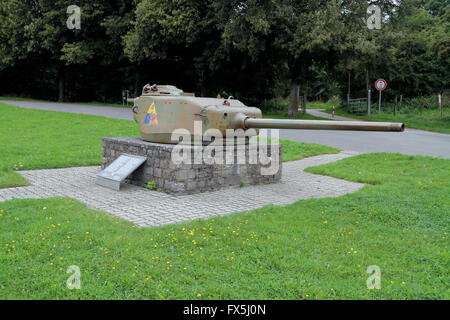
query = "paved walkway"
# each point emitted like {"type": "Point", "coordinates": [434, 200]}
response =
{"type": "Point", "coordinates": [411, 142]}
{"type": "Point", "coordinates": [110, 112]}
{"type": "Point", "coordinates": [151, 208]}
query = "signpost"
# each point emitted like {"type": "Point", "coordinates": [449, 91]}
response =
{"type": "Point", "coordinates": [125, 97]}
{"type": "Point", "coordinates": [114, 174]}
{"type": "Point", "coordinates": [380, 85]}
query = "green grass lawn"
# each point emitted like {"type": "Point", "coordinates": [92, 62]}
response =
{"type": "Point", "coordinates": [430, 120]}
{"type": "Point", "coordinates": [293, 150]}
{"type": "Point", "coordinates": [317, 248]}
{"type": "Point", "coordinates": [10, 179]}
{"type": "Point", "coordinates": [37, 139]}
{"type": "Point", "coordinates": [298, 150]}
{"type": "Point", "coordinates": [318, 105]}
{"type": "Point", "coordinates": [312, 249]}
{"type": "Point", "coordinates": [283, 115]}
{"type": "Point", "coordinates": [15, 98]}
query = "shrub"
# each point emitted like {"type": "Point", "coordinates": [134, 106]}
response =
{"type": "Point", "coordinates": [275, 104]}
{"type": "Point", "coordinates": [151, 185]}
{"type": "Point", "coordinates": [336, 101]}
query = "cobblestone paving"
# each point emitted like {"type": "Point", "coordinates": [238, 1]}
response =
{"type": "Point", "coordinates": [151, 208]}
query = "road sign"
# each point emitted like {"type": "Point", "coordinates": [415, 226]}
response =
{"type": "Point", "coordinates": [380, 84]}
{"type": "Point", "coordinates": [118, 170]}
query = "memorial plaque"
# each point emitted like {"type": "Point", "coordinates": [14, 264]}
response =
{"type": "Point", "coordinates": [114, 174]}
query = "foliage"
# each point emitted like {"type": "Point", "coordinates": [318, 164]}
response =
{"type": "Point", "coordinates": [151, 185]}
{"type": "Point", "coordinates": [410, 113]}
{"type": "Point", "coordinates": [335, 101]}
{"type": "Point", "coordinates": [253, 50]}
{"type": "Point", "coordinates": [277, 104]}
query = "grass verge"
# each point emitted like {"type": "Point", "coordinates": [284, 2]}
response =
{"type": "Point", "coordinates": [293, 150]}
{"type": "Point", "coordinates": [10, 179]}
{"type": "Point", "coordinates": [430, 119]}
{"type": "Point", "coordinates": [298, 150]}
{"type": "Point", "coordinates": [312, 249]}
{"type": "Point", "coordinates": [283, 115]}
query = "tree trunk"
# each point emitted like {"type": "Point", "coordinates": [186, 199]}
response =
{"type": "Point", "coordinates": [304, 102]}
{"type": "Point", "coordinates": [203, 90]}
{"type": "Point", "coordinates": [294, 99]}
{"type": "Point", "coordinates": [349, 81]}
{"type": "Point", "coordinates": [367, 79]}
{"type": "Point", "coordinates": [136, 87]}
{"type": "Point", "coordinates": [203, 84]}
{"type": "Point", "coordinates": [61, 96]}
{"type": "Point", "coordinates": [395, 106]}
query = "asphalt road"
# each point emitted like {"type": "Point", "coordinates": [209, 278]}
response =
{"type": "Point", "coordinates": [411, 141]}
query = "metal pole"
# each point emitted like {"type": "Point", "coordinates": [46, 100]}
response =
{"type": "Point", "coordinates": [368, 102]}
{"type": "Point", "coordinates": [379, 102]}
{"type": "Point", "coordinates": [395, 106]}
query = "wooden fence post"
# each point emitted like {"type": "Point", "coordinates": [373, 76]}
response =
{"type": "Point", "coordinates": [304, 103]}
{"type": "Point", "coordinates": [395, 106]}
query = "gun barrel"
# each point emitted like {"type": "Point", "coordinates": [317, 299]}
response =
{"type": "Point", "coordinates": [323, 125]}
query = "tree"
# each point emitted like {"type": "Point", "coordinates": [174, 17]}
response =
{"type": "Point", "coordinates": [437, 7]}
{"type": "Point", "coordinates": [38, 29]}
{"type": "Point", "coordinates": [170, 31]}
{"type": "Point", "coordinates": [297, 32]}
{"type": "Point", "coordinates": [13, 45]}
{"type": "Point", "coordinates": [417, 65]}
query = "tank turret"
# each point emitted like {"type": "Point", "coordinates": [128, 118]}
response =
{"type": "Point", "coordinates": [161, 109]}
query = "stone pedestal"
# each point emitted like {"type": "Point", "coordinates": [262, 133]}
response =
{"type": "Point", "coordinates": [197, 176]}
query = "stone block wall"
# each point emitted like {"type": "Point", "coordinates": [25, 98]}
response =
{"type": "Point", "coordinates": [195, 177]}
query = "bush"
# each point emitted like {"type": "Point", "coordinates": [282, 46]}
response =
{"type": "Point", "coordinates": [151, 185]}
{"type": "Point", "coordinates": [414, 105]}
{"type": "Point", "coordinates": [336, 101]}
{"type": "Point", "coordinates": [275, 104]}
{"type": "Point", "coordinates": [429, 102]}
